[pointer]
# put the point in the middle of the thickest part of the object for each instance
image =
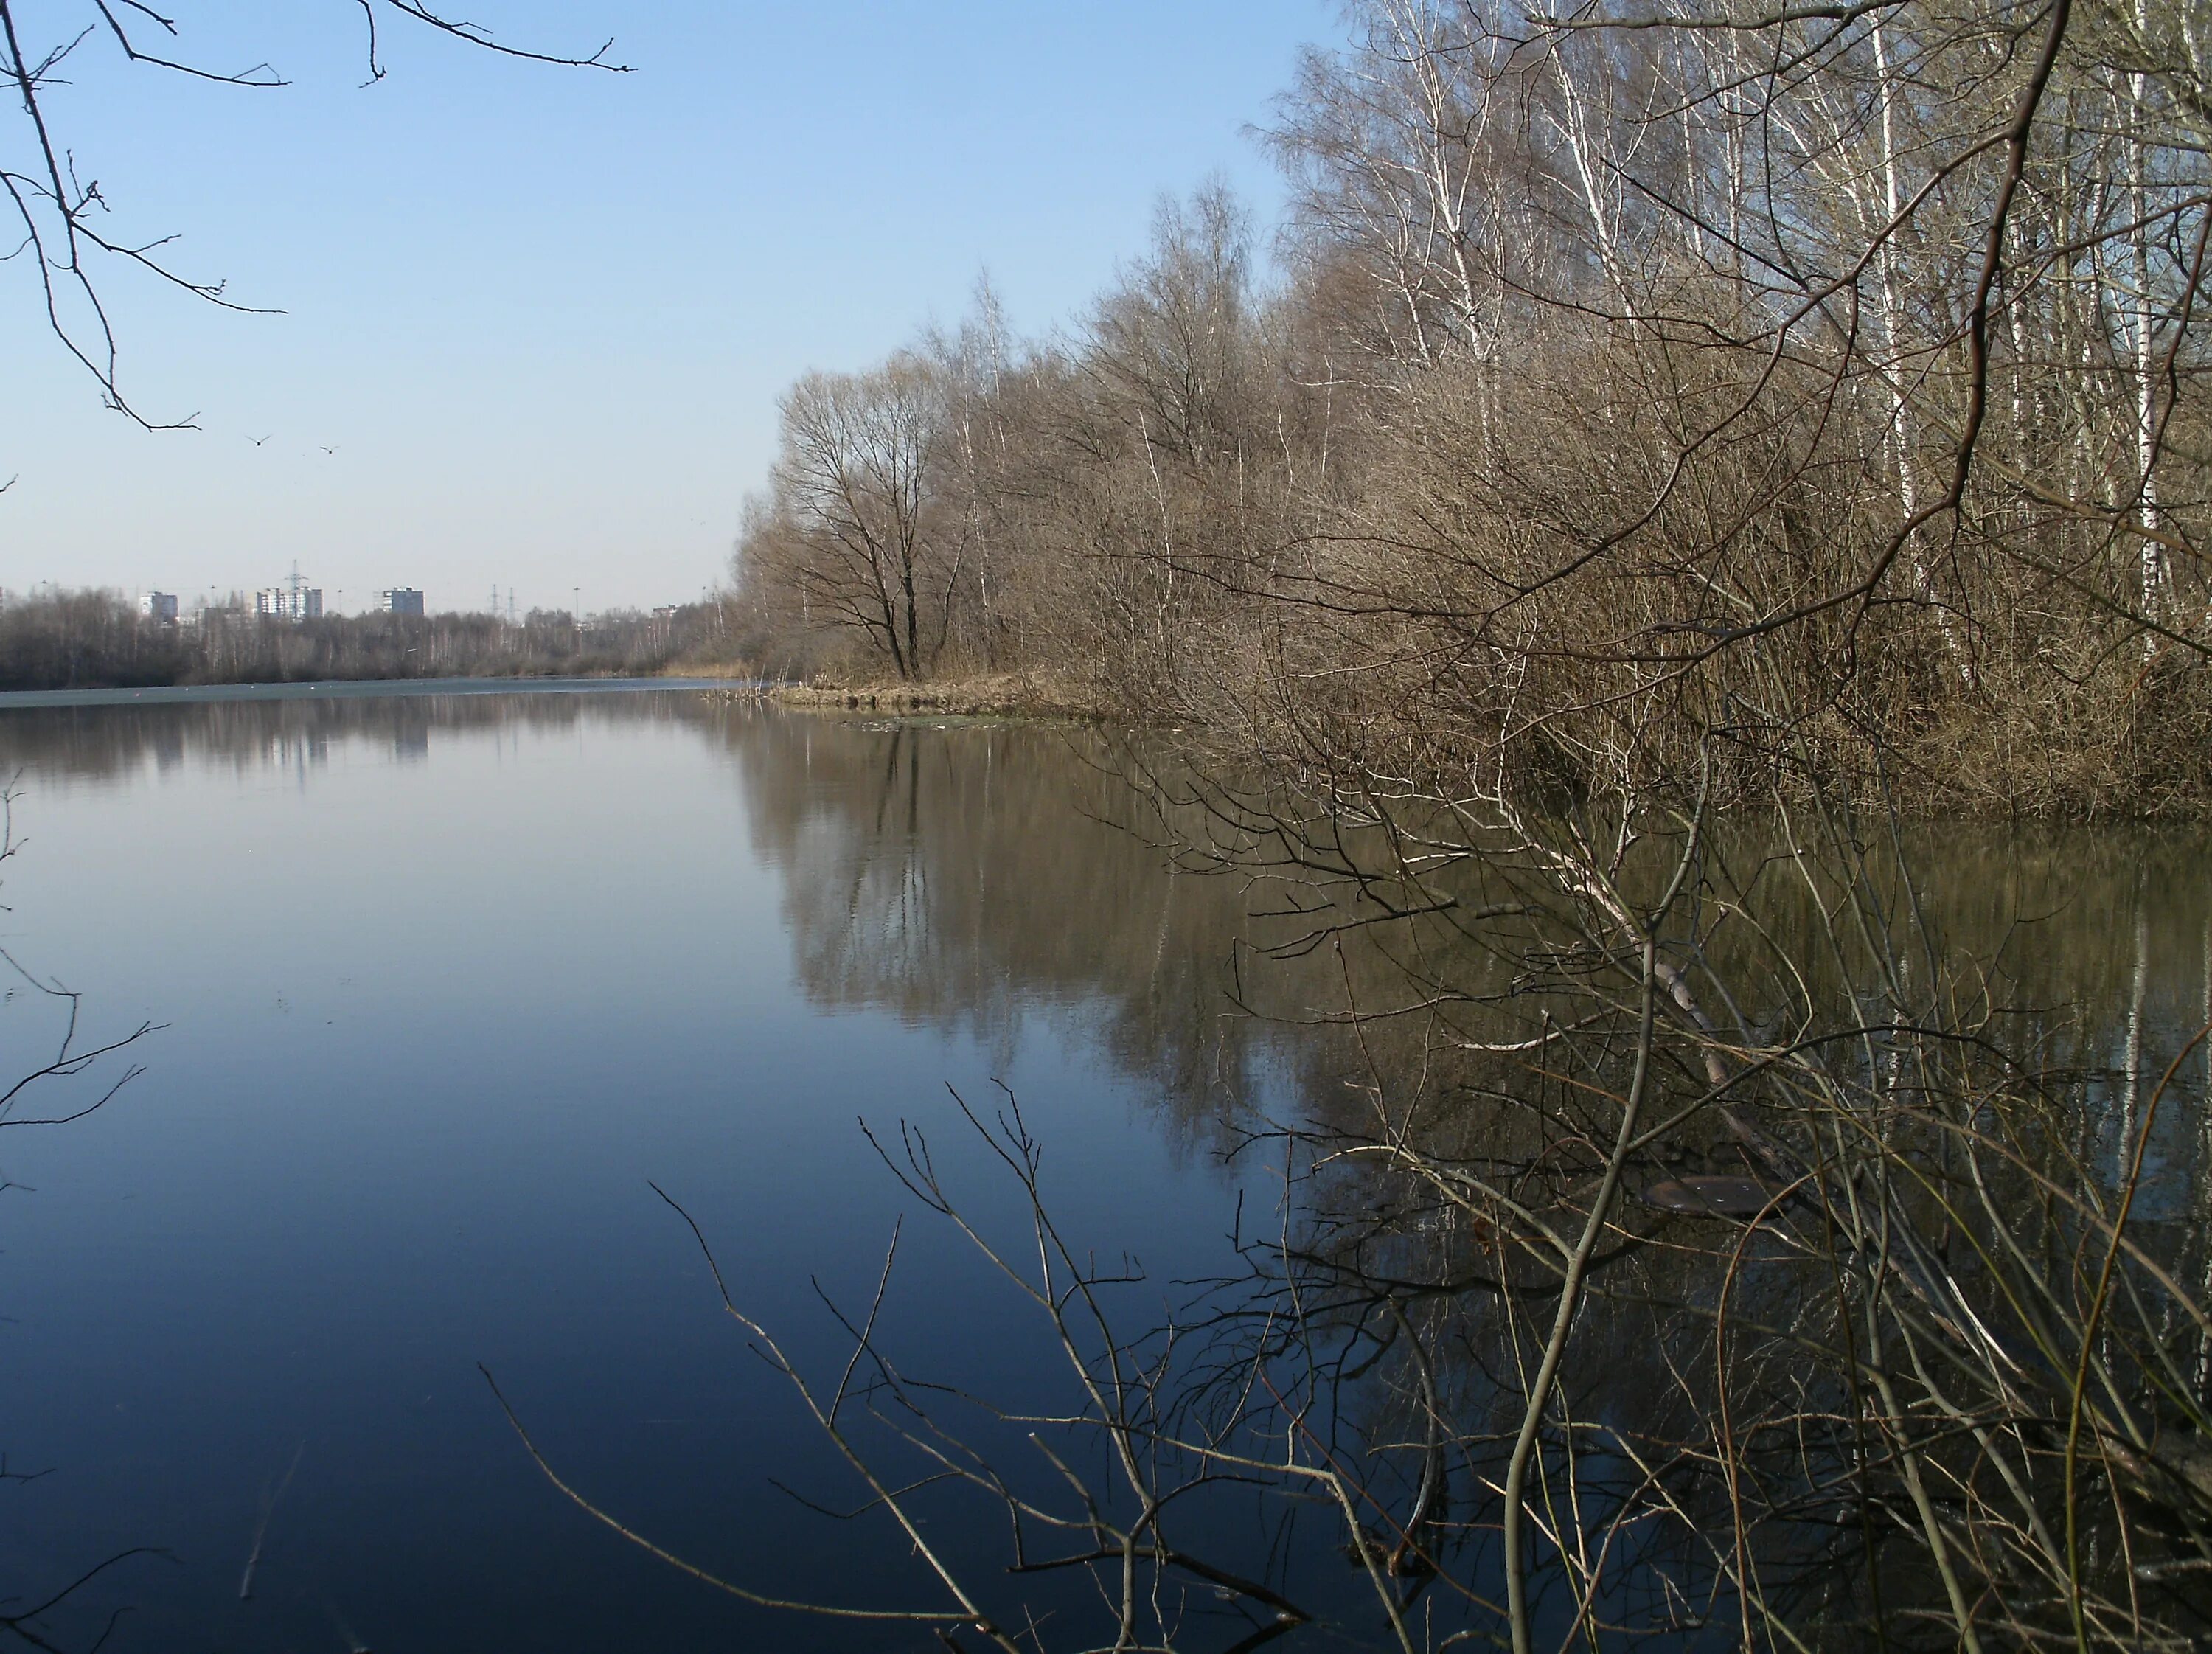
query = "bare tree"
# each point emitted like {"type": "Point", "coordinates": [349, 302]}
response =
{"type": "Point", "coordinates": [1710, 434]}
{"type": "Point", "coordinates": [859, 524]}
{"type": "Point", "coordinates": [72, 1076]}
{"type": "Point", "coordinates": [63, 214]}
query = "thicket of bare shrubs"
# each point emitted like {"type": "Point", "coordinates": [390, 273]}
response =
{"type": "Point", "coordinates": [1668, 409]}
{"type": "Point", "coordinates": [1831, 379]}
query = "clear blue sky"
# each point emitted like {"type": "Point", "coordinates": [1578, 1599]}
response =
{"type": "Point", "coordinates": [542, 314]}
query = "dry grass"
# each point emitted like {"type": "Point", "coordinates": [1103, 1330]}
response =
{"type": "Point", "coordinates": [1026, 694]}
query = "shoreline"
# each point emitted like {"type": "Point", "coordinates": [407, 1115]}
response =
{"type": "Point", "coordinates": [1002, 695]}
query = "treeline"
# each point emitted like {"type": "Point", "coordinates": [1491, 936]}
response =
{"type": "Point", "coordinates": [1660, 406]}
{"type": "Point", "coordinates": [97, 639]}
{"type": "Point", "coordinates": [1714, 386]}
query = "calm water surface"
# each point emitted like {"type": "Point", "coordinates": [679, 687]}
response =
{"type": "Point", "coordinates": [445, 980]}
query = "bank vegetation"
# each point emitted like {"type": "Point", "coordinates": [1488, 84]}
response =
{"type": "Point", "coordinates": [1678, 445]}
{"type": "Point", "coordinates": [1821, 386]}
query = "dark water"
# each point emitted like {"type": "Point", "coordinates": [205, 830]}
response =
{"type": "Point", "coordinates": [446, 981]}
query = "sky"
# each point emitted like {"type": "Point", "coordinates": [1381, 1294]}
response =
{"type": "Point", "coordinates": [534, 320]}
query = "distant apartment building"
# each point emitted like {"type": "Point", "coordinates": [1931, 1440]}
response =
{"type": "Point", "coordinates": [402, 600]}
{"type": "Point", "coordinates": [288, 603]}
{"type": "Point", "coordinates": [162, 608]}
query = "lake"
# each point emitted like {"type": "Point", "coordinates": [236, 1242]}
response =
{"type": "Point", "coordinates": [446, 983]}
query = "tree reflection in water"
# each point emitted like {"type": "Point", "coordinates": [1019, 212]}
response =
{"type": "Point", "coordinates": [1883, 1318]}
{"type": "Point", "coordinates": [1759, 1233]}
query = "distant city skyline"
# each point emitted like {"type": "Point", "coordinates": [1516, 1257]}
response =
{"type": "Point", "coordinates": [569, 381]}
{"type": "Point", "coordinates": [336, 601]}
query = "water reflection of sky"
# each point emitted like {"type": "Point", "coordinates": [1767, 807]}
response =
{"type": "Point", "coordinates": [445, 983]}
{"type": "Point", "coordinates": [448, 978]}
